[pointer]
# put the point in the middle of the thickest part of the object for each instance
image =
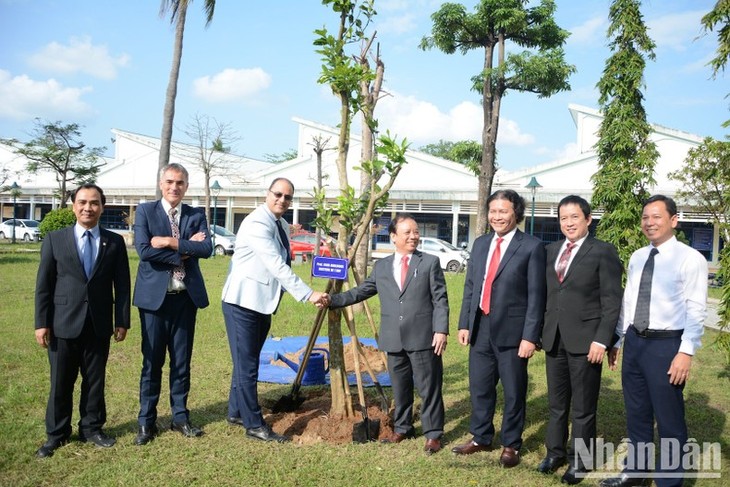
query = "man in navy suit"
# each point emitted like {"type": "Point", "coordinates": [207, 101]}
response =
{"type": "Point", "coordinates": [82, 299]}
{"type": "Point", "coordinates": [169, 237]}
{"type": "Point", "coordinates": [501, 318]}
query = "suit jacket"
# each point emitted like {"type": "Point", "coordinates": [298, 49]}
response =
{"type": "Point", "coordinates": [155, 265]}
{"type": "Point", "coordinates": [258, 273]}
{"type": "Point", "coordinates": [518, 290]}
{"type": "Point", "coordinates": [585, 306]}
{"type": "Point", "coordinates": [408, 318]}
{"type": "Point", "coordinates": [63, 296]}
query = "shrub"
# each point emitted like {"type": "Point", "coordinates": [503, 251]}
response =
{"type": "Point", "coordinates": [57, 219]}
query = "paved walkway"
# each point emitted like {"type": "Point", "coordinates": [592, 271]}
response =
{"type": "Point", "coordinates": [712, 318]}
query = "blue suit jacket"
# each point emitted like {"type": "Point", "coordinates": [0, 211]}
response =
{"type": "Point", "coordinates": [155, 265]}
{"type": "Point", "coordinates": [518, 290]}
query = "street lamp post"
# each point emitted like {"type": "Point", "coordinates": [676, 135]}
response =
{"type": "Point", "coordinates": [215, 189]}
{"type": "Point", "coordinates": [533, 185]}
{"type": "Point", "coordinates": [15, 190]}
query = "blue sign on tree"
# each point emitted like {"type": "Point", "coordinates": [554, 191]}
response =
{"type": "Point", "coordinates": [330, 267]}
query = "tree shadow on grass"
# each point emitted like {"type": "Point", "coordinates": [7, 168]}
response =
{"type": "Point", "coordinates": [16, 259]}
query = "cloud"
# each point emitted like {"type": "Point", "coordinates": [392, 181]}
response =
{"type": "Point", "coordinates": [422, 122]}
{"type": "Point", "coordinates": [401, 24]}
{"type": "Point", "coordinates": [22, 98]}
{"type": "Point", "coordinates": [79, 55]}
{"type": "Point", "coordinates": [232, 84]}
{"type": "Point", "coordinates": [589, 32]}
{"type": "Point", "coordinates": [676, 31]}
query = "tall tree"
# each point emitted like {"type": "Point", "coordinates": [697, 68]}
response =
{"type": "Point", "coordinates": [58, 148]}
{"type": "Point", "coordinates": [626, 154]}
{"type": "Point", "coordinates": [466, 152]}
{"type": "Point", "coordinates": [719, 18]}
{"type": "Point", "coordinates": [178, 10]}
{"type": "Point", "coordinates": [212, 142]}
{"type": "Point", "coordinates": [540, 69]}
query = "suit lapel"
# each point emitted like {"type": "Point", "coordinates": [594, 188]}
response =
{"type": "Point", "coordinates": [184, 216]}
{"type": "Point", "coordinates": [582, 251]}
{"type": "Point", "coordinates": [509, 252]}
{"type": "Point", "coordinates": [412, 266]}
{"type": "Point", "coordinates": [103, 241]}
{"type": "Point", "coordinates": [163, 220]}
{"type": "Point", "coordinates": [73, 250]}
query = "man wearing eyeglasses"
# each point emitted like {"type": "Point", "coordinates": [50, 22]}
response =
{"type": "Point", "coordinates": [259, 274]}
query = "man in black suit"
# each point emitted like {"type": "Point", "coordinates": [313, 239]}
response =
{"type": "Point", "coordinates": [82, 299]}
{"type": "Point", "coordinates": [169, 237]}
{"type": "Point", "coordinates": [414, 325]}
{"type": "Point", "coordinates": [584, 292]}
{"type": "Point", "coordinates": [501, 318]}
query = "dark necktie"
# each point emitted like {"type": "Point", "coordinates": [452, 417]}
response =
{"type": "Point", "coordinates": [643, 301]}
{"type": "Point", "coordinates": [88, 254]}
{"type": "Point", "coordinates": [403, 271]}
{"type": "Point", "coordinates": [491, 274]}
{"type": "Point", "coordinates": [563, 261]}
{"type": "Point", "coordinates": [284, 241]}
{"type": "Point", "coordinates": [178, 273]}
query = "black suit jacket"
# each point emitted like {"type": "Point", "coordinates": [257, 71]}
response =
{"type": "Point", "coordinates": [586, 305]}
{"type": "Point", "coordinates": [518, 290]}
{"type": "Point", "coordinates": [63, 295]}
{"type": "Point", "coordinates": [408, 318]}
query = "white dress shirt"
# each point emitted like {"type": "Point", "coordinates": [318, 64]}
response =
{"type": "Point", "coordinates": [577, 243]}
{"type": "Point", "coordinates": [79, 233]}
{"type": "Point", "coordinates": [678, 292]}
{"type": "Point", "coordinates": [506, 239]}
{"type": "Point", "coordinates": [397, 264]}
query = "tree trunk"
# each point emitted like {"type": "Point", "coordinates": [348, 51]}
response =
{"type": "Point", "coordinates": [168, 114]}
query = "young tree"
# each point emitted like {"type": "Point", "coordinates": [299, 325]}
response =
{"type": "Point", "coordinates": [57, 148]}
{"type": "Point", "coordinates": [626, 154]}
{"type": "Point", "coordinates": [705, 181]}
{"type": "Point", "coordinates": [287, 155]}
{"type": "Point", "coordinates": [212, 140]}
{"type": "Point", "coordinates": [345, 74]}
{"type": "Point", "coordinates": [178, 10]}
{"type": "Point", "coordinates": [541, 69]}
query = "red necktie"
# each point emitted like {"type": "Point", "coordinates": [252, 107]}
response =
{"type": "Point", "coordinates": [491, 273]}
{"type": "Point", "coordinates": [403, 271]}
{"type": "Point", "coordinates": [563, 261]}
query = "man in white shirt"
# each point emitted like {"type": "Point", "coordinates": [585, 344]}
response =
{"type": "Point", "coordinates": [662, 320]}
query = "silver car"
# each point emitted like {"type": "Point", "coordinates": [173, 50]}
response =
{"type": "Point", "coordinates": [225, 240]}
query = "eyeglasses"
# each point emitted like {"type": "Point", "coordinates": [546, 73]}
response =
{"type": "Point", "coordinates": [278, 194]}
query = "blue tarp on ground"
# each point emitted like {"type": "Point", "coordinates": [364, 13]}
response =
{"type": "Point", "coordinates": [268, 372]}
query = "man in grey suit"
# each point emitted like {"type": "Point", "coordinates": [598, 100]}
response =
{"type": "Point", "coordinates": [259, 273]}
{"type": "Point", "coordinates": [414, 324]}
{"type": "Point", "coordinates": [584, 292]}
{"type": "Point", "coordinates": [82, 299]}
{"type": "Point", "coordinates": [501, 318]}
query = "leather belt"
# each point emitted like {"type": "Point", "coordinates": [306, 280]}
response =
{"type": "Point", "coordinates": [178, 291]}
{"type": "Point", "coordinates": [657, 333]}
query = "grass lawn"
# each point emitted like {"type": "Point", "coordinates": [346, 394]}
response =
{"type": "Point", "coordinates": [223, 456]}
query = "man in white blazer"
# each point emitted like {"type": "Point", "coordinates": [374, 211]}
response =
{"type": "Point", "coordinates": [259, 273]}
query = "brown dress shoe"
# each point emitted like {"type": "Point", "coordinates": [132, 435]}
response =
{"type": "Point", "coordinates": [509, 458]}
{"type": "Point", "coordinates": [433, 445]}
{"type": "Point", "coordinates": [397, 438]}
{"type": "Point", "coordinates": [471, 447]}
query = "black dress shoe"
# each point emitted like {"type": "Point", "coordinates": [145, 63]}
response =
{"type": "Point", "coordinates": [624, 480]}
{"type": "Point", "coordinates": [265, 433]}
{"type": "Point", "coordinates": [100, 439]}
{"type": "Point", "coordinates": [186, 429]}
{"type": "Point", "coordinates": [145, 435]}
{"type": "Point", "coordinates": [574, 475]}
{"type": "Point", "coordinates": [551, 464]}
{"type": "Point", "coordinates": [46, 450]}
{"type": "Point", "coordinates": [233, 420]}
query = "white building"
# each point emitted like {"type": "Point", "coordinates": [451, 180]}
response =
{"type": "Point", "coordinates": [441, 194]}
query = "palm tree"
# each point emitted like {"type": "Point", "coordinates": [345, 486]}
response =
{"type": "Point", "coordinates": [178, 10]}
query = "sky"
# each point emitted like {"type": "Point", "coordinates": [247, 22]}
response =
{"type": "Point", "coordinates": [106, 65]}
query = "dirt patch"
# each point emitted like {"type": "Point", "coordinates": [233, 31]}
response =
{"type": "Point", "coordinates": [312, 423]}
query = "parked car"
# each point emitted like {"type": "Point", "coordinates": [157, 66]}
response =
{"type": "Point", "coordinates": [24, 229]}
{"type": "Point", "coordinates": [303, 243]}
{"type": "Point", "coordinates": [225, 240]}
{"type": "Point", "coordinates": [451, 258]}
